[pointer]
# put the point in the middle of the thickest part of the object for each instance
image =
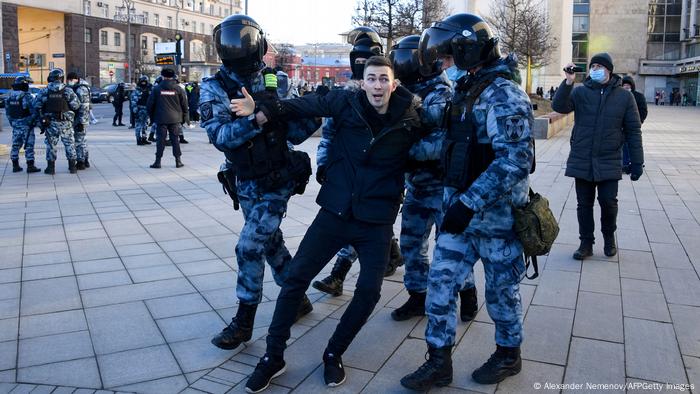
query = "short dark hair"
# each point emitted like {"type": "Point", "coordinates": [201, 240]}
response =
{"type": "Point", "coordinates": [72, 75]}
{"type": "Point", "coordinates": [167, 73]}
{"type": "Point", "coordinates": [380, 61]}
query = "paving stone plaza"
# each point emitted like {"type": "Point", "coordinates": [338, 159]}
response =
{"type": "Point", "coordinates": [117, 278]}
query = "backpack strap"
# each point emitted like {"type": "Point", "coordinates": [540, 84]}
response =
{"type": "Point", "coordinates": [230, 86]}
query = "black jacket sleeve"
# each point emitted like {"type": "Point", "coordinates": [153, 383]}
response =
{"type": "Point", "coordinates": [641, 105]}
{"type": "Point", "coordinates": [183, 105]}
{"type": "Point", "coordinates": [562, 102]}
{"type": "Point", "coordinates": [151, 103]}
{"type": "Point", "coordinates": [312, 105]}
{"type": "Point", "coordinates": [632, 128]}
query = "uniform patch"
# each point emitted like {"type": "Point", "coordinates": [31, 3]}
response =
{"type": "Point", "coordinates": [206, 111]}
{"type": "Point", "coordinates": [514, 127]}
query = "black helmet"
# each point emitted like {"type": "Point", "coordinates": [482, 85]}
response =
{"type": "Point", "coordinates": [363, 32]}
{"type": "Point", "coordinates": [240, 43]}
{"type": "Point", "coordinates": [404, 60]}
{"type": "Point", "coordinates": [22, 83]}
{"type": "Point", "coordinates": [466, 37]}
{"type": "Point", "coordinates": [56, 75]}
{"type": "Point", "coordinates": [143, 80]}
{"type": "Point", "coordinates": [365, 45]}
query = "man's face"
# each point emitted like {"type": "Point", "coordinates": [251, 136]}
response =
{"type": "Point", "coordinates": [379, 83]}
{"type": "Point", "coordinates": [627, 86]}
{"type": "Point", "coordinates": [447, 61]}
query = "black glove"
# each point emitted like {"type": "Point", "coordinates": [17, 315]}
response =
{"type": "Point", "coordinates": [636, 171]}
{"type": "Point", "coordinates": [272, 108]}
{"type": "Point", "coordinates": [457, 218]}
{"type": "Point", "coordinates": [322, 90]}
{"type": "Point", "coordinates": [321, 174]}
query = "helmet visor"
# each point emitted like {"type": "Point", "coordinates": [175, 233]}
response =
{"type": "Point", "coordinates": [434, 43]}
{"type": "Point", "coordinates": [360, 33]}
{"type": "Point", "coordinates": [405, 64]}
{"type": "Point", "coordinates": [239, 42]}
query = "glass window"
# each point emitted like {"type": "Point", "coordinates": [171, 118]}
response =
{"type": "Point", "coordinates": [155, 41]}
{"type": "Point", "coordinates": [211, 9]}
{"type": "Point", "coordinates": [170, 22]}
{"type": "Point", "coordinates": [86, 7]}
{"type": "Point", "coordinates": [88, 35]}
{"type": "Point", "coordinates": [580, 1]}
{"type": "Point", "coordinates": [194, 27]}
{"type": "Point", "coordinates": [144, 42]}
{"type": "Point", "coordinates": [673, 24]}
{"type": "Point", "coordinates": [580, 51]}
{"type": "Point", "coordinates": [672, 51]}
{"type": "Point", "coordinates": [674, 9]}
{"type": "Point", "coordinates": [580, 24]}
{"type": "Point", "coordinates": [579, 37]}
{"type": "Point", "coordinates": [672, 38]}
{"type": "Point", "coordinates": [657, 9]}
{"type": "Point", "coordinates": [655, 24]}
{"type": "Point", "coordinates": [656, 37]}
{"type": "Point", "coordinates": [132, 42]}
{"type": "Point", "coordinates": [103, 38]}
{"type": "Point", "coordinates": [655, 50]}
{"type": "Point", "coordinates": [156, 19]}
{"type": "Point", "coordinates": [105, 10]}
{"type": "Point", "coordinates": [581, 9]}
{"type": "Point", "coordinates": [117, 39]}
{"type": "Point", "coordinates": [201, 28]}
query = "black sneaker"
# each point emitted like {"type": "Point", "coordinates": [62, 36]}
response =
{"type": "Point", "coordinates": [267, 369]}
{"type": "Point", "coordinates": [333, 371]}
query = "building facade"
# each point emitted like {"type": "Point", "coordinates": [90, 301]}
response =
{"type": "Point", "coordinates": [103, 39]}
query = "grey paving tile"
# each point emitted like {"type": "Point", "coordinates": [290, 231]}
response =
{"type": "Point", "coordinates": [692, 367]}
{"type": "Point", "coordinates": [49, 295]}
{"type": "Point", "coordinates": [190, 255]}
{"type": "Point", "coordinates": [132, 239]}
{"type": "Point", "coordinates": [138, 249]}
{"type": "Point", "coordinates": [198, 325]}
{"type": "Point", "coordinates": [408, 357]}
{"type": "Point", "coordinates": [132, 328]}
{"type": "Point", "coordinates": [559, 258]}
{"type": "Point", "coordinates": [52, 323]}
{"type": "Point", "coordinates": [138, 291]}
{"type": "Point", "coordinates": [150, 274]}
{"type": "Point", "coordinates": [221, 298]}
{"type": "Point", "coordinates": [92, 249]}
{"type": "Point", "coordinates": [595, 362]}
{"type": "Point", "coordinates": [644, 300]}
{"type": "Point", "coordinates": [146, 260]}
{"type": "Point", "coordinates": [226, 375]}
{"type": "Point", "coordinates": [680, 286]}
{"type": "Point", "coordinates": [10, 275]}
{"type": "Point", "coordinates": [198, 354]}
{"type": "Point", "coordinates": [9, 290]}
{"type": "Point", "coordinates": [686, 320]}
{"type": "Point", "coordinates": [41, 259]}
{"type": "Point", "coordinates": [557, 288]}
{"type": "Point", "coordinates": [599, 316]}
{"type": "Point", "coordinates": [54, 348]}
{"type": "Point", "coordinates": [204, 267]}
{"type": "Point", "coordinates": [600, 277]}
{"type": "Point", "coordinates": [547, 331]}
{"type": "Point", "coordinates": [210, 386]}
{"type": "Point", "coordinates": [8, 355]}
{"type": "Point", "coordinates": [10, 257]}
{"type": "Point", "coordinates": [103, 279]}
{"type": "Point", "coordinates": [9, 308]}
{"type": "Point", "coordinates": [637, 265]}
{"type": "Point", "coordinates": [158, 386]}
{"type": "Point", "coordinates": [180, 244]}
{"type": "Point", "coordinates": [8, 329]}
{"type": "Point", "coordinates": [670, 256]}
{"type": "Point", "coordinates": [134, 366]}
{"type": "Point", "coordinates": [45, 247]}
{"type": "Point", "coordinates": [47, 271]}
{"type": "Point", "coordinates": [651, 351]}
{"type": "Point", "coordinates": [167, 231]}
{"type": "Point", "coordinates": [213, 281]}
{"type": "Point", "coordinates": [23, 388]}
{"type": "Point", "coordinates": [93, 266]}
{"type": "Point", "coordinates": [177, 305]}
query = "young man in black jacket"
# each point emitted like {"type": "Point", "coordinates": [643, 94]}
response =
{"type": "Point", "coordinates": [167, 107]}
{"type": "Point", "coordinates": [376, 128]}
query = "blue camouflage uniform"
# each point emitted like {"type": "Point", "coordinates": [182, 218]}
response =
{"type": "Point", "coordinates": [422, 205]}
{"type": "Point", "coordinates": [140, 111]}
{"type": "Point", "coordinates": [260, 238]}
{"type": "Point", "coordinates": [61, 125]}
{"type": "Point", "coordinates": [22, 128]}
{"type": "Point", "coordinates": [502, 117]}
{"type": "Point", "coordinates": [82, 119]}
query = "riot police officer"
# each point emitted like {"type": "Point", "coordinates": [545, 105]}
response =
{"type": "Point", "coordinates": [55, 106]}
{"type": "Point", "coordinates": [422, 205]}
{"type": "Point", "coordinates": [82, 119]}
{"type": "Point", "coordinates": [487, 161]}
{"type": "Point", "coordinates": [137, 103]}
{"type": "Point", "coordinates": [118, 103]}
{"type": "Point", "coordinates": [18, 108]}
{"type": "Point", "coordinates": [264, 172]}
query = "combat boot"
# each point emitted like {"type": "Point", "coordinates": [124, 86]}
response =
{"type": "Point", "coordinates": [71, 167]}
{"type": "Point", "coordinates": [50, 167]}
{"type": "Point", "coordinates": [151, 136]}
{"type": "Point", "coordinates": [304, 309]}
{"type": "Point", "coordinates": [437, 371]}
{"type": "Point", "coordinates": [584, 250]}
{"type": "Point", "coordinates": [609, 247]}
{"type": "Point", "coordinates": [502, 363]}
{"type": "Point", "coordinates": [145, 141]}
{"type": "Point", "coordinates": [87, 162]}
{"type": "Point", "coordinates": [15, 165]}
{"type": "Point", "coordinates": [331, 284]}
{"type": "Point", "coordinates": [414, 306]}
{"type": "Point", "coordinates": [139, 141]}
{"type": "Point", "coordinates": [239, 330]}
{"type": "Point", "coordinates": [31, 168]}
{"type": "Point", "coordinates": [80, 165]}
{"type": "Point", "coordinates": [468, 305]}
{"type": "Point", "coordinates": [178, 163]}
{"type": "Point", "coordinates": [156, 164]}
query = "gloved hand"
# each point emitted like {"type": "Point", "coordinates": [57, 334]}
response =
{"type": "Point", "coordinates": [636, 171]}
{"type": "Point", "coordinates": [321, 174]}
{"type": "Point", "coordinates": [270, 78]}
{"type": "Point", "coordinates": [457, 218]}
{"type": "Point", "coordinates": [322, 90]}
{"type": "Point", "coordinates": [272, 108]}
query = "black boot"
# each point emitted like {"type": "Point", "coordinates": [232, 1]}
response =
{"type": "Point", "coordinates": [239, 330]}
{"type": "Point", "coordinates": [87, 162]}
{"type": "Point", "coordinates": [468, 305]}
{"type": "Point", "coordinates": [331, 284]}
{"type": "Point", "coordinates": [305, 308]}
{"type": "Point", "coordinates": [414, 306]}
{"type": "Point", "coordinates": [71, 167]}
{"type": "Point", "coordinates": [31, 168]}
{"type": "Point", "coordinates": [178, 163]}
{"type": "Point", "coordinates": [50, 167]}
{"type": "Point", "coordinates": [139, 141]}
{"type": "Point", "coordinates": [151, 136]}
{"type": "Point", "coordinates": [609, 247]}
{"type": "Point", "coordinates": [503, 363]}
{"type": "Point", "coordinates": [395, 258]}
{"type": "Point", "coordinates": [156, 164]}
{"type": "Point", "coordinates": [80, 165]}
{"type": "Point", "coordinates": [15, 165]}
{"type": "Point", "coordinates": [437, 371]}
{"type": "Point", "coordinates": [145, 141]}
{"type": "Point", "coordinates": [183, 140]}
{"type": "Point", "coordinates": [584, 250]}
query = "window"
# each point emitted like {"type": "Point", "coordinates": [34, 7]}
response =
{"type": "Point", "coordinates": [103, 38]}
{"type": "Point", "coordinates": [211, 9]}
{"type": "Point", "coordinates": [117, 39]}
{"type": "Point", "coordinates": [580, 51]}
{"type": "Point", "coordinates": [144, 42]}
{"type": "Point", "coordinates": [201, 7]}
{"type": "Point", "coordinates": [156, 19]}
{"type": "Point", "coordinates": [581, 9]}
{"type": "Point", "coordinates": [88, 35]}
{"type": "Point", "coordinates": [201, 28]}
{"type": "Point", "coordinates": [220, 14]}
{"type": "Point", "coordinates": [132, 42]}
{"type": "Point", "coordinates": [580, 24]}
{"type": "Point", "coordinates": [155, 41]}
{"type": "Point", "coordinates": [105, 10]}
{"type": "Point", "coordinates": [86, 7]}
{"type": "Point", "coordinates": [170, 22]}
{"type": "Point", "coordinates": [145, 18]}
{"type": "Point", "coordinates": [194, 27]}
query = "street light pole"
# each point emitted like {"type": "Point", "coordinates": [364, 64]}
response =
{"type": "Point", "coordinates": [128, 39]}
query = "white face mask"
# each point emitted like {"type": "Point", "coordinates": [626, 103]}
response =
{"type": "Point", "coordinates": [597, 75]}
{"type": "Point", "coordinates": [454, 73]}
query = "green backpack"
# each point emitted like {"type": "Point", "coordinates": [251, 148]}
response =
{"type": "Point", "coordinates": [536, 228]}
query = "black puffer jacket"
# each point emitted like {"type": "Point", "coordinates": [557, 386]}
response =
{"type": "Point", "coordinates": [604, 117]}
{"type": "Point", "coordinates": [365, 173]}
{"type": "Point", "coordinates": [638, 97]}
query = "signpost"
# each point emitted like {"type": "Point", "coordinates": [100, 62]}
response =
{"type": "Point", "coordinates": [111, 75]}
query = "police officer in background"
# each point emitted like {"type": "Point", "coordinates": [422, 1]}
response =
{"type": "Point", "coordinates": [118, 103]}
{"type": "Point", "coordinates": [422, 205]}
{"type": "Point", "coordinates": [167, 107]}
{"type": "Point", "coordinates": [258, 157]}
{"type": "Point", "coordinates": [55, 106]}
{"type": "Point", "coordinates": [487, 161]}
{"type": "Point", "coordinates": [82, 119]}
{"type": "Point", "coordinates": [137, 104]}
{"type": "Point", "coordinates": [18, 108]}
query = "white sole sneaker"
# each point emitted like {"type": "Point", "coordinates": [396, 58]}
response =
{"type": "Point", "coordinates": [280, 372]}
{"type": "Point", "coordinates": [338, 383]}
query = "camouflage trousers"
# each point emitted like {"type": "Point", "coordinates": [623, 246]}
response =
{"type": "Point", "coordinates": [22, 136]}
{"type": "Point", "coordinates": [81, 149]}
{"type": "Point", "coordinates": [64, 132]}
{"type": "Point", "coordinates": [260, 240]}
{"type": "Point", "coordinates": [141, 124]}
{"type": "Point", "coordinates": [421, 210]}
{"type": "Point", "coordinates": [504, 268]}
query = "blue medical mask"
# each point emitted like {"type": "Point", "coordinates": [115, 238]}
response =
{"type": "Point", "coordinates": [597, 75]}
{"type": "Point", "coordinates": [454, 73]}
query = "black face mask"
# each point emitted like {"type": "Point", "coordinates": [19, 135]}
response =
{"type": "Point", "coordinates": [358, 70]}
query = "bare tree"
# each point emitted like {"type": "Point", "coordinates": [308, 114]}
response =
{"type": "Point", "coordinates": [524, 29]}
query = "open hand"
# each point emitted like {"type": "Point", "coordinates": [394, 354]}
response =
{"type": "Point", "coordinates": [244, 106]}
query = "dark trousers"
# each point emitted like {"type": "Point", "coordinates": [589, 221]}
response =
{"type": "Point", "coordinates": [118, 112]}
{"type": "Point", "coordinates": [607, 198]}
{"type": "Point", "coordinates": [326, 235]}
{"type": "Point", "coordinates": [162, 131]}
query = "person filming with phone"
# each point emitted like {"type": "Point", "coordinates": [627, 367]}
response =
{"type": "Point", "coordinates": [605, 117]}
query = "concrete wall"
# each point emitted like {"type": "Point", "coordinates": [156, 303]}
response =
{"type": "Point", "coordinates": [619, 28]}
{"type": "Point", "coordinates": [560, 14]}
{"type": "Point", "coordinates": [74, 6]}
{"type": "Point", "coordinates": [42, 31]}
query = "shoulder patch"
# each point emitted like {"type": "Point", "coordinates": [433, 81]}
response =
{"type": "Point", "coordinates": [206, 111]}
{"type": "Point", "coordinates": [514, 127]}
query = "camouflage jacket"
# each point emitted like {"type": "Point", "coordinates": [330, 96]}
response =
{"type": "Point", "coordinates": [68, 94]}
